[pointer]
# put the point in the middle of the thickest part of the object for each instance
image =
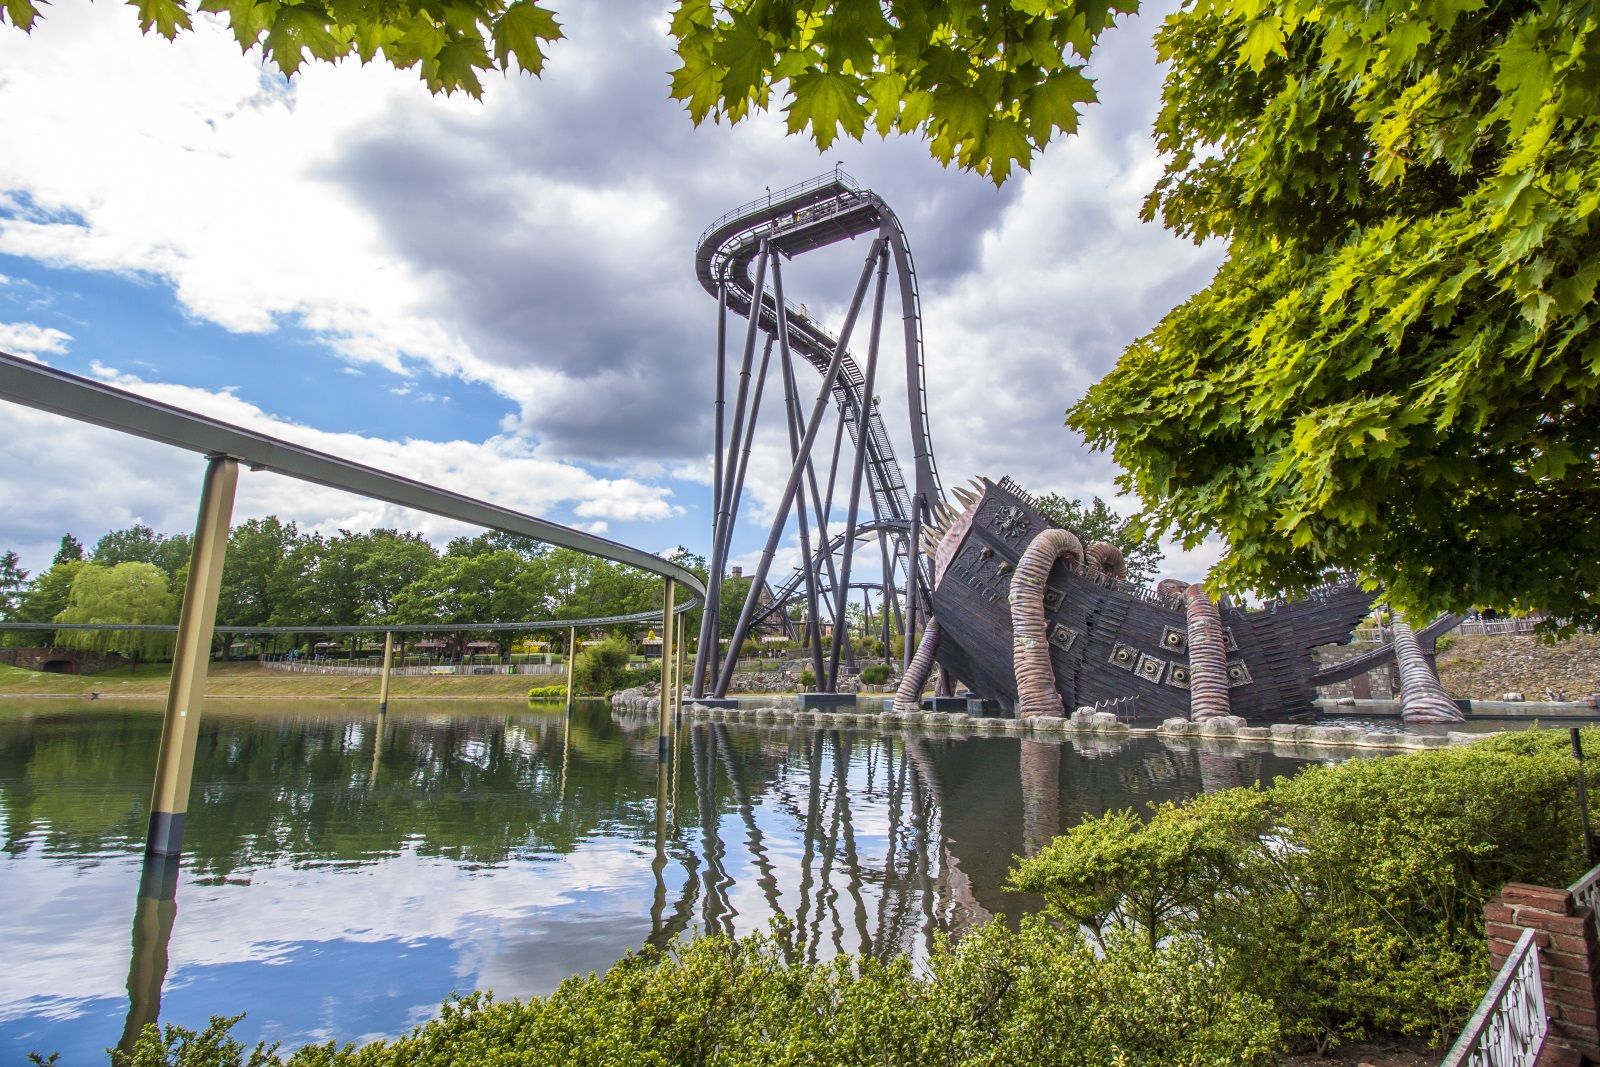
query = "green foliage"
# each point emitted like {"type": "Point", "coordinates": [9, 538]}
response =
{"type": "Point", "coordinates": [808, 679]}
{"type": "Point", "coordinates": [70, 549]}
{"type": "Point", "coordinates": [602, 667]}
{"type": "Point", "coordinates": [987, 85]}
{"type": "Point", "coordinates": [126, 593]}
{"type": "Point", "coordinates": [1397, 370]}
{"type": "Point", "coordinates": [140, 544]}
{"type": "Point", "coordinates": [1141, 548]}
{"type": "Point", "coordinates": [1004, 998]}
{"type": "Point", "coordinates": [876, 673]}
{"type": "Point", "coordinates": [13, 581]}
{"type": "Point", "coordinates": [449, 45]}
{"type": "Point", "coordinates": [1348, 897]}
{"type": "Point", "coordinates": [547, 693]}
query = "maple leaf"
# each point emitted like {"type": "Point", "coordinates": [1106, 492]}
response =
{"type": "Point", "coordinates": [826, 102]}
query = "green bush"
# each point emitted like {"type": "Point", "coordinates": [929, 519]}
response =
{"type": "Point", "coordinates": [1002, 997]}
{"type": "Point", "coordinates": [599, 667]}
{"type": "Point", "coordinates": [1349, 897]}
{"type": "Point", "coordinates": [808, 679]}
{"type": "Point", "coordinates": [547, 692]}
{"type": "Point", "coordinates": [876, 674]}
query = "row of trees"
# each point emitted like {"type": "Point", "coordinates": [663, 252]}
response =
{"type": "Point", "coordinates": [275, 575]}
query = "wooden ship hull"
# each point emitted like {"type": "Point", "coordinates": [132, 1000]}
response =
{"type": "Point", "coordinates": [1113, 643]}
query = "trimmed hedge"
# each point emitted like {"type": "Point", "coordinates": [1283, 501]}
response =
{"type": "Point", "coordinates": [1002, 997]}
{"type": "Point", "coordinates": [1348, 897]}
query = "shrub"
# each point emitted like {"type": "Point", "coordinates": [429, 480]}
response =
{"type": "Point", "coordinates": [600, 666]}
{"type": "Point", "coordinates": [547, 692]}
{"type": "Point", "coordinates": [808, 679]}
{"type": "Point", "coordinates": [1002, 997]}
{"type": "Point", "coordinates": [876, 674]}
{"type": "Point", "coordinates": [1349, 897]}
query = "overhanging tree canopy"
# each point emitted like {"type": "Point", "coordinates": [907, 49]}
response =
{"type": "Point", "coordinates": [1397, 370]}
{"type": "Point", "coordinates": [987, 84]}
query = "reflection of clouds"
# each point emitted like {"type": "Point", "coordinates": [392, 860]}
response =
{"type": "Point", "coordinates": [904, 838]}
{"type": "Point", "coordinates": [69, 944]}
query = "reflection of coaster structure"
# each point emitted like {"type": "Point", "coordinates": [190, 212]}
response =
{"type": "Point", "coordinates": [739, 261]}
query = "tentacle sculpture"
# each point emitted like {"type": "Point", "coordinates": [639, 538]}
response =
{"type": "Point", "coordinates": [1030, 651]}
{"type": "Point", "coordinates": [1106, 558]}
{"type": "Point", "coordinates": [1170, 588]}
{"type": "Point", "coordinates": [1208, 657]}
{"type": "Point", "coordinates": [1422, 698]}
{"type": "Point", "coordinates": [909, 696]}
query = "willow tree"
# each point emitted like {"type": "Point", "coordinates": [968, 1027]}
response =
{"type": "Point", "coordinates": [127, 593]}
{"type": "Point", "coordinates": [1397, 369]}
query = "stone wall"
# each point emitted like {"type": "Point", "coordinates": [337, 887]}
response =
{"type": "Point", "coordinates": [1382, 683]}
{"type": "Point", "coordinates": [1483, 668]}
{"type": "Point", "coordinates": [59, 660]}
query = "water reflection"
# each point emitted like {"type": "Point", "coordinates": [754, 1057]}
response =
{"type": "Point", "coordinates": [346, 871]}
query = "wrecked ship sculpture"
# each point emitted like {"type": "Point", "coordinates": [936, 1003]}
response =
{"type": "Point", "coordinates": [1029, 616]}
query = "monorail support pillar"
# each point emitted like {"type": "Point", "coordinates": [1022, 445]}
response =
{"type": "Point", "coordinates": [572, 660]}
{"type": "Point", "coordinates": [669, 626]}
{"type": "Point", "coordinates": [180, 729]}
{"type": "Point", "coordinates": [388, 665]}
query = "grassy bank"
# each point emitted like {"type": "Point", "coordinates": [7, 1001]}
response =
{"type": "Point", "coordinates": [1340, 905]}
{"type": "Point", "coordinates": [149, 681]}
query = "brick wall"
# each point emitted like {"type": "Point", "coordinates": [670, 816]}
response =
{"type": "Point", "coordinates": [1569, 962]}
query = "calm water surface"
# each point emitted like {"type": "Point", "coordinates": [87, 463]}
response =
{"type": "Point", "coordinates": [344, 875]}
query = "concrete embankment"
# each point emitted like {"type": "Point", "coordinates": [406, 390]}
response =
{"type": "Point", "coordinates": [1100, 726]}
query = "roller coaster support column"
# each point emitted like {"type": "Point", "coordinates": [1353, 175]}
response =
{"type": "Point", "coordinates": [572, 662]}
{"type": "Point", "coordinates": [791, 406]}
{"type": "Point", "coordinates": [914, 552]}
{"type": "Point", "coordinates": [786, 499]}
{"type": "Point", "coordinates": [726, 495]}
{"type": "Point", "coordinates": [383, 683]}
{"type": "Point", "coordinates": [669, 625]}
{"type": "Point", "coordinates": [180, 729]}
{"type": "Point", "coordinates": [709, 615]}
{"type": "Point", "coordinates": [863, 435]}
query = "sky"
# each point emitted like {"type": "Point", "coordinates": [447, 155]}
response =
{"type": "Point", "coordinates": [499, 295]}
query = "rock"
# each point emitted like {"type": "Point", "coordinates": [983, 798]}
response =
{"type": "Point", "coordinates": [1285, 731]}
{"type": "Point", "coordinates": [1103, 720]}
{"type": "Point", "coordinates": [1379, 738]}
{"type": "Point", "coordinates": [1347, 702]}
{"type": "Point", "coordinates": [1255, 733]}
{"type": "Point", "coordinates": [1222, 726]}
{"type": "Point", "coordinates": [1513, 697]}
{"type": "Point", "coordinates": [1173, 726]}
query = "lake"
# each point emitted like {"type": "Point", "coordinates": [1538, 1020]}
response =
{"type": "Point", "coordinates": [343, 875]}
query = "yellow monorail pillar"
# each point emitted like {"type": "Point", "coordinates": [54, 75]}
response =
{"type": "Point", "coordinates": [572, 661]}
{"type": "Point", "coordinates": [668, 655]}
{"type": "Point", "coordinates": [383, 684]}
{"type": "Point", "coordinates": [180, 729]}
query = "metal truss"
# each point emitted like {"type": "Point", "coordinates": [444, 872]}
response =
{"type": "Point", "coordinates": [739, 260]}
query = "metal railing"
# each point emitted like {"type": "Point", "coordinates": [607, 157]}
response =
{"type": "Point", "coordinates": [1510, 1025]}
{"type": "Point", "coordinates": [1586, 894]}
{"type": "Point", "coordinates": [1498, 627]}
{"type": "Point", "coordinates": [304, 666]}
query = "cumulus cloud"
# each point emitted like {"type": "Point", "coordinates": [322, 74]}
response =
{"type": "Point", "coordinates": [31, 340]}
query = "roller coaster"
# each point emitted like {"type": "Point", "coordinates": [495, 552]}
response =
{"type": "Point", "coordinates": [736, 259]}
